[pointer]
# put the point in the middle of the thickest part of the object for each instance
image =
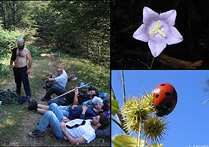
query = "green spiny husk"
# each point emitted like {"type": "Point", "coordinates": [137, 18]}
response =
{"type": "Point", "coordinates": [136, 108]}
{"type": "Point", "coordinates": [154, 128]}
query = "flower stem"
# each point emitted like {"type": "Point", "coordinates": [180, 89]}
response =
{"type": "Point", "coordinates": [143, 63]}
{"type": "Point", "coordinates": [151, 63]}
{"type": "Point", "coordinates": [140, 131]}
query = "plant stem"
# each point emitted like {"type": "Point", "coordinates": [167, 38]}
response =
{"type": "Point", "coordinates": [124, 94]}
{"type": "Point", "coordinates": [206, 101]}
{"type": "Point", "coordinates": [151, 63]}
{"type": "Point", "coordinates": [140, 131]}
{"type": "Point", "coordinates": [143, 63]}
{"type": "Point", "coordinates": [119, 125]}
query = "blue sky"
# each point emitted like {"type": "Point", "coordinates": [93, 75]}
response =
{"type": "Point", "coordinates": [189, 121]}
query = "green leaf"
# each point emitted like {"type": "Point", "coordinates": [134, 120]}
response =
{"type": "Point", "coordinates": [116, 144]}
{"type": "Point", "coordinates": [114, 107]}
{"type": "Point", "coordinates": [157, 145]}
{"type": "Point", "coordinates": [127, 140]}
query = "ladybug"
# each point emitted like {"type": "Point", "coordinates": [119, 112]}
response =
{"type": "Point", "coordinates": [164, 98]}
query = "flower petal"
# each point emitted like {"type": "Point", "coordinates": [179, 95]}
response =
{"type": "Point", "coordinates": [140, 33]}
{"type": "Point", "coordinates": [149, 13]}
{"type": "Point", "coordinates": [169, 17]}
{"type": "Point", "coordinates": [174, 36]}
{"type": "Point", "coordinates": [156, 47]}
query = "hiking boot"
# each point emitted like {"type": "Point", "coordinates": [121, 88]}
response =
{"type": "Point", "coordinates": [32, 105]}
{"type": "Point", "coordinates": [36, 134]}
{"type": "Point", "coordinates": [44, 99]}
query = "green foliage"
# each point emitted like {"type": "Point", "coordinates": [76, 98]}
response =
{"type": "Point", "coordinates": [34, 52]}
{"type": "Point", "coordinates": [114, 107]}
{"type": "Point", "coordinates": [4, 70]}
{"type": "Point", "coordinates": [8, 41]}
{"type": "Point", "coordinates": [157, 145]}
{"type": "Point", "coordinates": [127, 141]}
{"type": "Point", "coordinates": [16, 14]}
{"type": "Point", "coordinates": [78, 28]}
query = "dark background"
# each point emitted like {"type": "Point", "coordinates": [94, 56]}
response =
{"type": "Point", "coordinates": [192, 22]}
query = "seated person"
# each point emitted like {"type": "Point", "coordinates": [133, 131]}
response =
{"type": "Point", "coordinates": [73, 112]}
{"type": "Point", "coordinates": [76, 97]}
{"type": "Point", "coordinates": [60, 80]}
{"type": "Point", "coordinates": [75, 131]}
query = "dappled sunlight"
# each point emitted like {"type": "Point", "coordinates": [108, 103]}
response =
{"type": "Point", "coordinates": [31, 76]}
{"type": "Point", "coordinates": [10, 121]}
{"type": "Point", "coordinates": [3, 82]}
{"type": "Point", "coordinates": [46, 55]}
{"type": "Point", "coordinates": [7, 122]}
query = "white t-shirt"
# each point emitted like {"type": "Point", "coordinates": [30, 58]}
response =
{"type": "Point", "coordinates": [86, 131]}
{"type": "Point", "coordinates": [62, 79]}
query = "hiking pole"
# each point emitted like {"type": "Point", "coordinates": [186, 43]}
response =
{"type": "Point", "coordinates": [70, 91]}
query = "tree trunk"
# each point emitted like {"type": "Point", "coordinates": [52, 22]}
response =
{"type": "Point", "coordinates": [3, 7]}
{"type": "Point", "coordinates": [13, 8]}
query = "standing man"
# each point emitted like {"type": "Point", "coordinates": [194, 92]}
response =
{"type": "Point", "coordinates": [20, 56]}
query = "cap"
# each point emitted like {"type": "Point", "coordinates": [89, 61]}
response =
{"type": "Point", "coordinates": [21, 40]}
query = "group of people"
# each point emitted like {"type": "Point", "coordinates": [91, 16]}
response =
{"type": "Point", "coordinates": [67, 117]}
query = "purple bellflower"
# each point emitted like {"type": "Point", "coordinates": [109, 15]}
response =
{"type": "Point", "coordinates": [158, 30]}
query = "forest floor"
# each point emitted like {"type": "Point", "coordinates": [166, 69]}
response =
{"type": "Point", "coordinates": [17, 120]}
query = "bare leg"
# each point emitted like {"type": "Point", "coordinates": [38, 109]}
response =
{"type": "Point", "coordinates": [41, 111]}
{"type": "Point", "coordinates": [42, 107]}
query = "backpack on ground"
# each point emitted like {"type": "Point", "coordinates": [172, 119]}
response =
{"type": "Point", "coordinates": [8, 97]}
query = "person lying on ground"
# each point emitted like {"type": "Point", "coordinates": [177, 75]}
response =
{"type": "Point", "coordinates": [76, 97]}
{"type": "Point", "coordinates": [75, 111]}
{"type": "Point", "coordinates": [59, 80]}
{"type": "Point", "coordinates": [75, 131]}
{"type": "Point", "coordinates": [94, 101]}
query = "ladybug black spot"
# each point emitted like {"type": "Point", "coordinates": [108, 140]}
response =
{"type": "Point", "coordinates": [167, 93]}
{"type": "Point", "coordinates": [169, 105]}
{"type": "Point", "coordinates": [157, 96]}
{"type": "Point", "coordinates": [162, 84]}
